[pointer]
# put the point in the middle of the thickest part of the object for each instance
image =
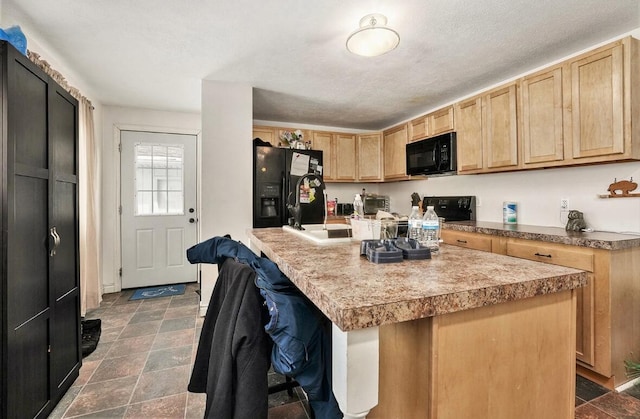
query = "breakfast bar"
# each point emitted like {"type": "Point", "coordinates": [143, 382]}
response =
{"type": "Point", "coordinates": [464, 334]}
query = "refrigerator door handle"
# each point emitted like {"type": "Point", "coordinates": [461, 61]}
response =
{"type": "Point", "coordinates": [284, 198]}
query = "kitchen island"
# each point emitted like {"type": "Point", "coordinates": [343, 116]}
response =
{"type": "Point", "coordinates": [464, 334]}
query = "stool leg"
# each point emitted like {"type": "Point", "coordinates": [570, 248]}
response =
{"type": "Point", "coordinates": [289, 389]}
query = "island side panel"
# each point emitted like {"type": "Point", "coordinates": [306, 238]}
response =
{"type": "Point", "coordinates": [515, 359]}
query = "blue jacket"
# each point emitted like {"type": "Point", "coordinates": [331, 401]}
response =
{"type": "Point", "coordinates": [300, 332]}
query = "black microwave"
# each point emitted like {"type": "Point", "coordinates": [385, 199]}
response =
{"type": "Point", "coordinates": [432, 156]}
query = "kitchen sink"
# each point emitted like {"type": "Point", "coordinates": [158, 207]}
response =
{"type": "Point", "coordinates": [317, 233]}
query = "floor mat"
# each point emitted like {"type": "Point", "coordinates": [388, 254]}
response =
{"type": "Point", "coordinates": [155, 292]}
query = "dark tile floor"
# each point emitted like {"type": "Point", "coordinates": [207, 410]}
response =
{"type": "Point", "coordinates": [143, 362]}
{"type": "Point", "coordinates": [596, 402]}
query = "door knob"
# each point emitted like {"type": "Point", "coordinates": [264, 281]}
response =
{"type": "Point", "coordinates": [192, 220]}
{"type": "Point", "coordinates": [191, 210]}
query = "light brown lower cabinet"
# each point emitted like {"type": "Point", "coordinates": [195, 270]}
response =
{"type": "Point", "coordinates": [608, 309]}
{"type": "Point", "coordinates": [463, 365]}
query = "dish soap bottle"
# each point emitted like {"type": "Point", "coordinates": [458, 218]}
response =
{"type": "Point", "coordinates": [430, 230]}
{"type": "Point", "coordinates": [415, 223]}
{"type": "Point", "coordinates": [358, 207]}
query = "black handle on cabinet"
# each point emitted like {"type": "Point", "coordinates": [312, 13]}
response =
{"type": "Point", "coordinates": [462, 241]}
{"type": "Point", "coordinates": [544, 256]}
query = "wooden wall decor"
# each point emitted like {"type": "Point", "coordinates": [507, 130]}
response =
{"type": "Point", "coordinates": [622, 189]}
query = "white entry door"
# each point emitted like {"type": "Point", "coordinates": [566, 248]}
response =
{"type": "Point", "coordinates": [158, 198]}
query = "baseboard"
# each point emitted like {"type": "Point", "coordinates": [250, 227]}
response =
{"type": "Point", "coordinates": [628, 385]}
{"type": "Point", "coordinates": [109, 289]}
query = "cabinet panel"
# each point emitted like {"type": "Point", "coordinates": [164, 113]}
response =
{"type": "Point", "coordinates": [370, 157]}
{"type": "Point", "coordinates": [418, 129]}
{"type": "Point", "coordinates": [468, 240]}
{"type": "Point", "coordinates": [440, 121]}
{"type": "Point", "coordinates": [345, 146]}
{"type": "Point", "coordinates": [597, 104]}
{"type": "Point", "coordinates": [28, 92]}
{"type": "Point", "coordinates": [323, 141]}
{"type": "Point", "coordinates": [542, 117]}
{"type": "Point", "coordinates": [572, 257]}
{"type": "Point", "coordinates": [501, 133]}
{"type": "Point", "coordinates": [469, 135]}
{"type": "Point", "coordinates": [267, 134]}
{"type": "Point", "coordinates": [395, 143]}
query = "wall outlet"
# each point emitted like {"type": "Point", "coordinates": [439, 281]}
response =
{"type": "Point", "coordinates": [564, 203]}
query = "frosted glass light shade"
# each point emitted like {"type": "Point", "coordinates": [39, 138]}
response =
{"type": "Point", "coordinates": [373, 38]}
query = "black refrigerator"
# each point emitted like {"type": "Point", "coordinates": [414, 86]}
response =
{"type": "Point", "coordinates": [276, 172]}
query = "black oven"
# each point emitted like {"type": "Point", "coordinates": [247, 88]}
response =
{"type": "Point", "coordinates": [432, 156]}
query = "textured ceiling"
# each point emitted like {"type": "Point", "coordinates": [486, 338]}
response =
{"type": "Point", "coordinates": [153, 54]}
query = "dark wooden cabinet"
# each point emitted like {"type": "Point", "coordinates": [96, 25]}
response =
{"type": "Point", "coordinates": [39, 268]}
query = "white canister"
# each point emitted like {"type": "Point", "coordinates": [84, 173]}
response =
{"type": "Point", "coordinates": [509, 212]}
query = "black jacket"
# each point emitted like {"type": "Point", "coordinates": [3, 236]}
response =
{"type": "Point", "coordinates": [232, 359]}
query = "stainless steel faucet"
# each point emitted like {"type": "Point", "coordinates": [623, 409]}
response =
{"type": "Point", "coordinates": [295, 209]}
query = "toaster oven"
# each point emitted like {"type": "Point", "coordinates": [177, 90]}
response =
{"type": "Point", "coordinates": [375, 203]}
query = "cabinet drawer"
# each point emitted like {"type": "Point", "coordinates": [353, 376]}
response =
{"type": "Point", "coordinates": [468, 240]}
{"type": "Point", "coordinates": [555, 254]}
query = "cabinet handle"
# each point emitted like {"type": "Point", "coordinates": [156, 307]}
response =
{"type": "Point", "coordinates": [462, 241]}
{"type": "Point", "coordinates": [56, 240]}
{"type": "Point", "coordinates": [544, 256]}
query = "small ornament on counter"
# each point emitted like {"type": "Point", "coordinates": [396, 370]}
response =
{"type": "Point", "coordinates": [576, 221]}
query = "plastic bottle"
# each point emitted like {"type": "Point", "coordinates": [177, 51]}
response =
{"type": "Point", "coordinates": [358, 207]}
{"type": "Point", "coordinates": [430, 230]}
{"type": "Point", "coordinates": [415, 224]}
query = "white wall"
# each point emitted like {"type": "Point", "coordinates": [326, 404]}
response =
{"type": "Point", "coordinates": [113, 118]}
{"type": "Point", "coordinates": [227, 167]}
{"type": "Point", "coordinates": [538, 194]}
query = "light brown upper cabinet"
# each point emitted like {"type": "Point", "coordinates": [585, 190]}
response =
{"type": "Point", "coordinates": [435, 123]}
{"type": "Point", "coordinates": [370, 157]}
{"type": "Point", "coordinates": [501, 133]}
{"type": "Point", "coordinates": [324, 141]}
{"type": "Point", "coordinates": [600, 104]}
{"type": "Point", "coordinates": [394, 156]}
{"type": "Point", "coordinates": [345, 147]}
{"type": "Point", "coordinates": [469, 135]}
{"type": "Point", "coordinates": [440, 121]}
{"type": "Point", "coordinates": [542, 114]}
{"type": "Point", "coordinates": [487, 131]}
{"type": "Point", "coordinates": [418, 128]}
{"type": "Point", "coordinates": [268, 134]}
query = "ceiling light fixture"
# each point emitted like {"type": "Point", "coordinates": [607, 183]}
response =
{"type": "Point", "coordinates": [373, 38]}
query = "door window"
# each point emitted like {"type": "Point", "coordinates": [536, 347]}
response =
{"type": "Point", "coordinates": [159, 179]}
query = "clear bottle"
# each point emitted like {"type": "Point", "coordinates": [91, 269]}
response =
{"type": "Point", "coordinates": [430, 230]}
{"type": "Point", "coordinates": [415, 224]}
{"type": "Point", "coordinates": [358, 207]}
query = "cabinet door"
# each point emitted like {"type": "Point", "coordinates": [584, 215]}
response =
{"type": "Point", "coordinates": [370, 157]}
{"type": "Point", "coordinates": [597, 104]}
{"type": "Point", "coordinates": [65, 352]}
{"type": "Point", "coordinates": [267, 134]}
{"type": "Point", "coordinates": [345, 146]}
{"type": "Point", "coordinates": [324, 141]}
{"type": "Point", "coordinates": [395, 161]}
{"type": "Point", "coordinates": [572, 257]}
{"type": "Point", "coordinates": [418, 129]}
{"type": "Point", "coordinates": [27, 314]}
{"type": "Point", "coordinates": [542, 117]}
{"type": "Point", "coordinates": [440, 121]}
{"type": "Point", "coordinates": [500, 128]}
{"type": "Point", "coordinates": [469, 135]}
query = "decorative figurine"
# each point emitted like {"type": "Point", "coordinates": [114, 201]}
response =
{"type": "Point", "coordinates": [624, 186]}
{"type": "Point", "coordinates": [576, 221]}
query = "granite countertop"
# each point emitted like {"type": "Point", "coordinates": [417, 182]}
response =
{"type": "Point", "coordinates": [595, 239]}
{"type": "Point", "coordinates": [355, 293]}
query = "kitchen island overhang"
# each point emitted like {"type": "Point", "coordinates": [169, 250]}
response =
{"type": "Point", "coordinates": [374, 306]}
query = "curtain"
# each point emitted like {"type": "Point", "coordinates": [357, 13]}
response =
{"type": "Point", "coordinates": [90, 281]}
